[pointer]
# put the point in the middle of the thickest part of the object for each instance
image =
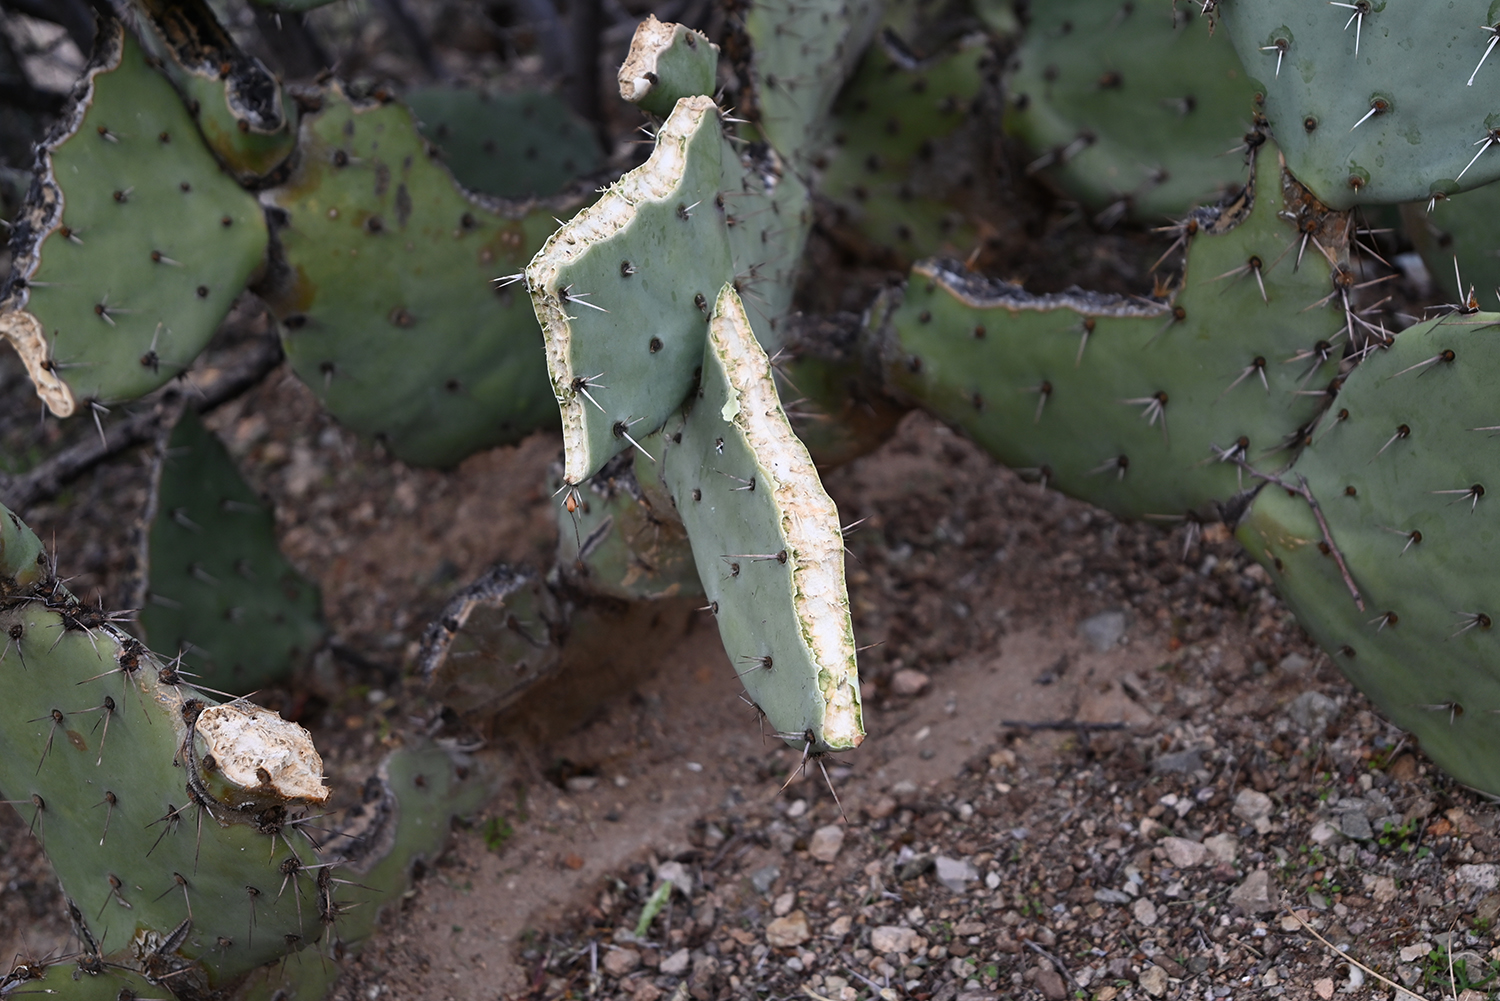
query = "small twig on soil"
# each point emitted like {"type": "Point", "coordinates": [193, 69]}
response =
{"type": "Point", "coordinates": [1352, 961]}
{"type": "Point", "coordinates": [1067, 977]}
{"type": "Point", "coordinates": [1063, 724]}
{"type": "Point", "coordinates": [207, 389]}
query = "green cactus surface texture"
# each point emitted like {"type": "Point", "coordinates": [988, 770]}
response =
{"type": "Point", "coordinates": [1459, 229]}
{"type": "Point", "coordinates": [174, 824]}
{"type": "Point", "coordinates": [624, 291]}
{"type": "Point", "coordinates": [132, 244]}
{"type": "Point", "coordinates": [97, 737]}
{"type": "Point", "coordinates": [236, 100]}
{"type": "Point", "coordinates": [218, 589]}
{"type": "Point", "coordinates": [520, 145]}
{"type": "Point", "coordinates": [387, 294]}
{"type": "Point", "coordinates": [910, 137]}
{"type": "Point", "coordinates": [1375, 101]}
{"type": "Point", "coordinates": [1399, 589]}
{"type": "Point", "coordinates": [71, 982]}
{"type": "Point", "coordinates": [618, 538]}
{"type": "Point", "coordinates": [667, 61]}
{"type": "Point", "coordinates": [802, 52]}
{"type": "Point", "coordinates": [766, 540]}
{"type": "Point", "coordinates": [1143, 407]}
{"type": "Point", "coordinates": [1128, 108]}
{"type": "Point", "coordinates": [493, 640]}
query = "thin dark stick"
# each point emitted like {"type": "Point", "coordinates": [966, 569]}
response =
{"type": "Point", "coordinates": [207, 389]}
{"type": "Point", "coordinates": [1063, 724]}
{"type": "Point", "coordinates": [1305, 492]}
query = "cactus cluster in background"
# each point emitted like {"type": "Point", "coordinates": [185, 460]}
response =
{"type": "Point", "coordinates": [446, 274]}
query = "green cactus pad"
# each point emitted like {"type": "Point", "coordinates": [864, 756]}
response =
{"type": "Point", "coordinates": [235, 98]}
{"type": "Point", "coordinates": [624, 290]}
{"type": "Point", "coordinates": [91, 752]}
{"type": "Point", "coordinates": [173, 823]}
{"type": "Point", "coordinates": [618, 537]}
{"type": "Point", "coordinates": [493, 640]}
{"type": "Point", "coordinates": [386, 290]}
{"type": "Point", "coordinates": [133, 243]}
{"type": "Point", "coordinates": [902, 176]}
{"type": "Point", "coordinates": [1459, 227]}
{"type": "Point", "coordinates": [667, 61]}
{"type": "Point", "coordinates": [23, 558]}
{"type": "Point", "coordinates": [1399, 470]}
{"type": "Point", "coordinates": [801, 54]}
{"type": "Point", "coordinates": [1127, 108]}
{"type": "Point", "coordinates": [519, 145]}
{"type": "Point", "coordinates": [1376, 101]}
{"type": "Point", "coordinates": [1133, 404]}
{"type": "Point", "coordinates": [218, 589]}
{"type": "Point", "coordinates": [69, 982]}
{"type": "Point", "coordinates": [766, 540]}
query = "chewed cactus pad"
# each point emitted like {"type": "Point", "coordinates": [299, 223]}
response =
{"type": "Point", "coordinates": [1145, 407]}
{"type": "Point", "coordinates": [766, 540]}
{"type": "Point", "coordinates": [132, 244]}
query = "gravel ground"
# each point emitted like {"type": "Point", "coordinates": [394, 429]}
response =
{"type": "Point", "coordinates": [1175, 863]}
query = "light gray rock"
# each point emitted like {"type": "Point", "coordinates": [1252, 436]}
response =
{"type": "Point", "coordinates": [826, 843]}
{"type": "Point", "coordinates": [1254, 808]}
{"type": "Point", "coordinates": [1254, 895]}
{"type": "Point", "coordinates": [1294, 663]}
{"type": "Point", "coordinates": [1144, 911]}
{"type": "Point", "coordinates": [679, 874]}
{"type": "Point", "coordinates": [676, 964]}
{"type": "Point", "coordinates": [1312, 710]}
{"type": "Point", "coordinates": [1481, 877]}
{"type": "Point", "coordinates": [892, 938]}
{"type": "Point", "coordinates": [1354, 824]}
{"type": "Point", "coordinates": [955, 873]}
{"type": "Point", "coordinates": [1103, 631]}
{"type": "Point", "coordinates": [1182, 852]}
{"type": "Point", "coordinates": [1181, 761]}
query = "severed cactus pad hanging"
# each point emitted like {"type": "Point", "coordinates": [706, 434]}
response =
{"type": "Point", "coordinates": [766, 540]}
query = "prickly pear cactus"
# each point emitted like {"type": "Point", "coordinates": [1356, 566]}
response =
{"type": "Point", "coordinates": [132, 244]}
{"type": "Point", "coordinates": [234, 97]}
{"type": "Point", "coordinates": [386, 289]}
{"type": "Point", "coordinates": [175, 824]}
{"type": "Point", "coordinates": [1143, 407]}
{"type": "Point", "coordinates": [520, 145]}
{"type": "Point", "coordinates": [1127, 108]}
{"type": "Point", "coordinates": [1392, 570]}
{"type": "Point", "coordinates": [1459, 230]}
{"type": "Point", "coordinates": [1375, 101]}
{"type": "Point", "coordinates": [766, 540]}
{"type": "Point", "coordinates": [96, 739]}
{"type": "Point", "coordinates": [667, 61]}
{"type": "Point", "coordinates": [616, 536]}
{"type": "Point", "coordinates": [72, 982]}
{"type": "Point", "coordinates": [912, 134]}
{"type": "Point", "coordinates": [801, 54]}
{"type": "Point", "coordinates": [215, 586]}
{"type": "Point", "coordinates": [624, 291]}
{"type": "Point", "coordinates": [493, 640]}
